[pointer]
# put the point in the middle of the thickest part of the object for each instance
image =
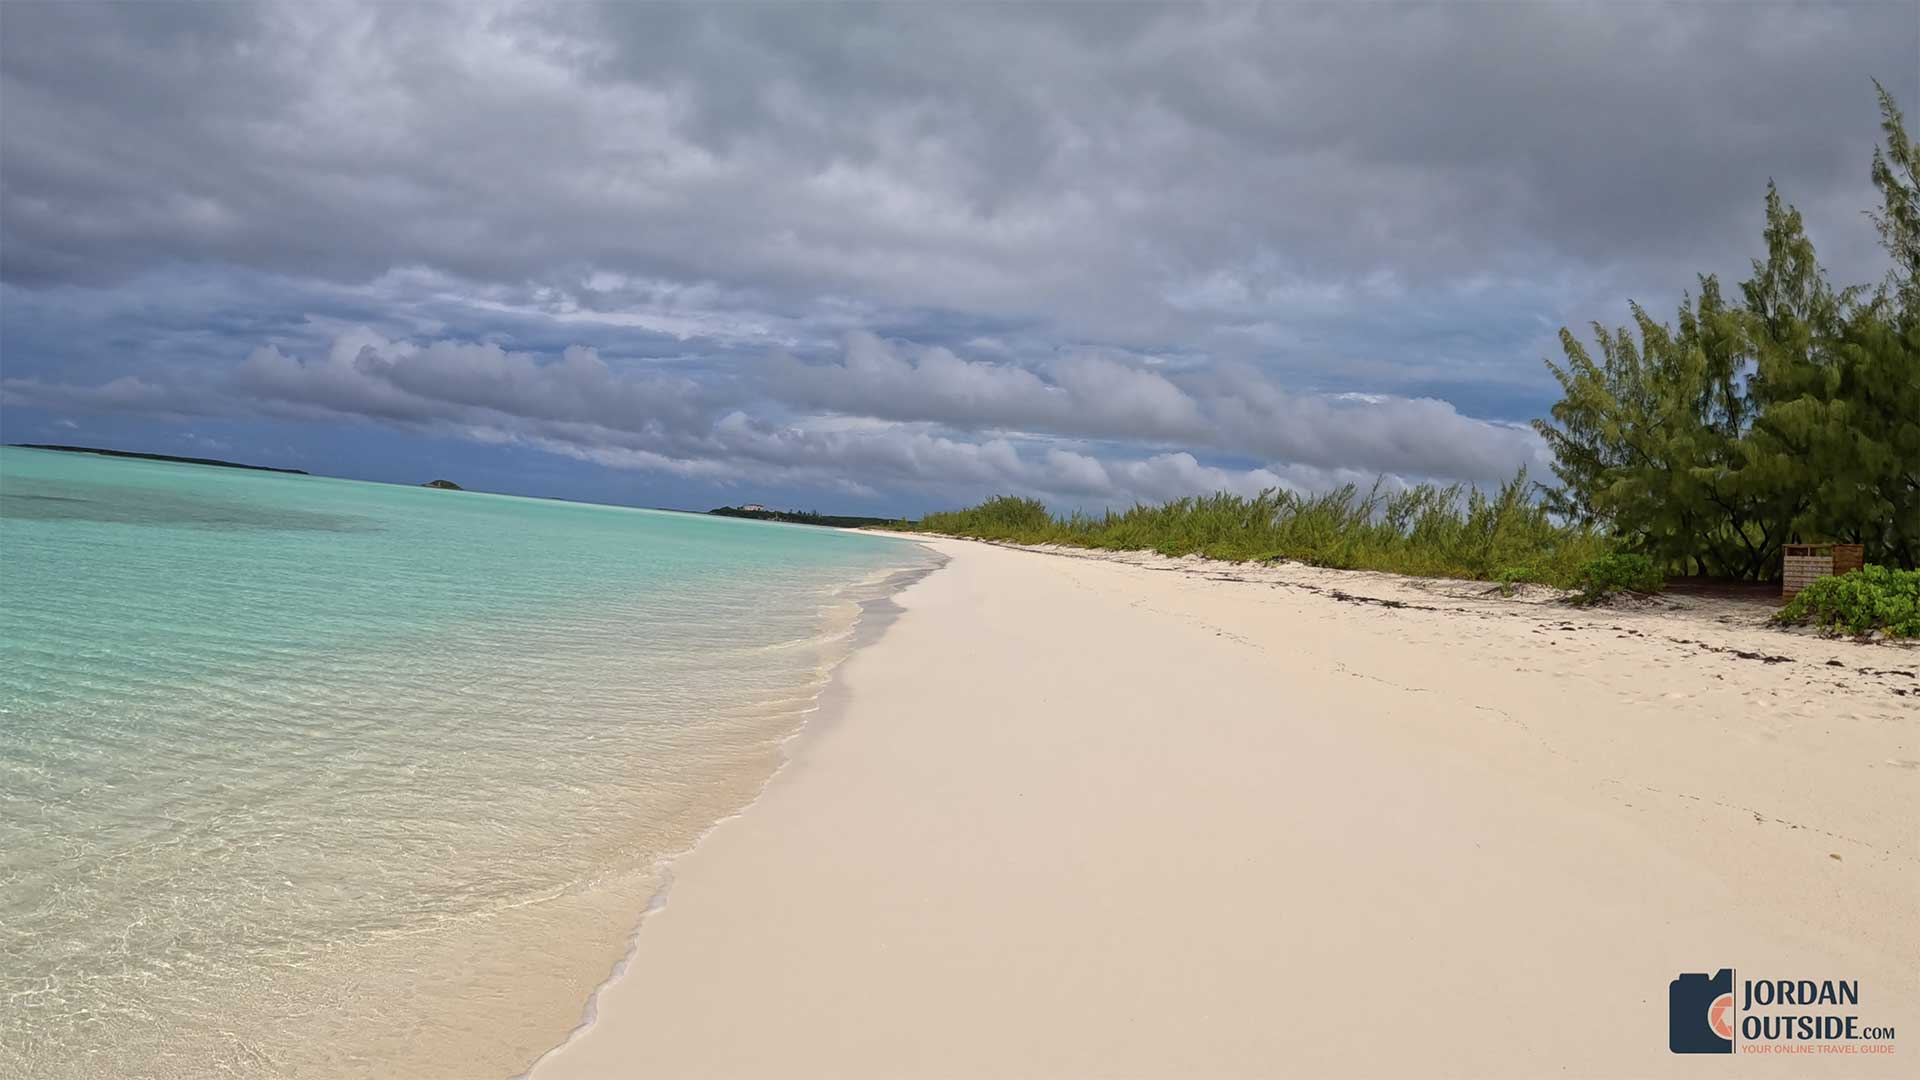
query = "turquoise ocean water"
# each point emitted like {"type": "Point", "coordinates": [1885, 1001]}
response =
{"type": "Point", "coordinates": [313, 778]}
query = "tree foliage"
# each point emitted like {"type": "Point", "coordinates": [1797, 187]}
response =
{"type": "Point", "coordinates": [1791, 414]}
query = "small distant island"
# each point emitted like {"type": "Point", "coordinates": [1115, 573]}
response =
{"type": "Point", "coordinates": [443, 485]}
{"type": "Point", "coordinates": [807, 517]}
{"type": "Point", "coordinates": [156, 457]}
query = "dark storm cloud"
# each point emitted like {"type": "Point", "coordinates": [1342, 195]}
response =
{"type": "Point", "coordinates": [977, 151]}
{"type": "Point", "coordinates": [1174, 228]}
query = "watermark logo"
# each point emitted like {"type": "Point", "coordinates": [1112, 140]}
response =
{"type": "Point", "coordinates": [1700, 1013]}
{"type": "Point", "coordinates": [1720, 1016]}
{"type": "Point", "coordinates": [1711, 1014]}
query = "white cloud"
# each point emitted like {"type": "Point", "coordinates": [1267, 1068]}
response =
{"type": "Point", "coordinates": [1233, 409]}
{"type": "Point", "coordinates": [888, 416]}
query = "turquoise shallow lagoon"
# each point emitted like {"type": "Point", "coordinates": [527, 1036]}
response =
{"type": "Point", "coordinates": [308, 777]}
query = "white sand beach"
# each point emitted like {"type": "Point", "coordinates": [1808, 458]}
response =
{"type": "Point", "coordinates": [1085, 816]}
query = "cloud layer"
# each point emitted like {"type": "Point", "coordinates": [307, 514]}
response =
{"type": "Point", "coordinates": [913, 247]}
{"type": "Point", "coordinates": [883, 413]}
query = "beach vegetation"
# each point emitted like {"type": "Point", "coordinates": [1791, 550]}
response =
{"type": "Point", "coordinates": [1859, 602]}
{"type": "Point", "coordinates": [1622, 572]}
{"type": "Point", "coordinates": [1003, 517]}
{"type": "Point", "coordinates": [1513, 576]}
{"type": "Point", "coordinates": [810, 517]}
{"type": "Point", "coordinates": [1786, 413]}
{"type": "Point", "coordinates": [1425, 530]}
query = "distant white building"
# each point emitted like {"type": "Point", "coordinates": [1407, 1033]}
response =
{"type": "Point", "coordinates": [754, 506]}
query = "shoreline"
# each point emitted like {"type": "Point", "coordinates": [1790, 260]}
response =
{"type": "Point", "coordinates": [372, 815]}
{"type": "Point", "coordinates": [1006, 851]}
{"type": "Point", "coordinates": [871, 618]}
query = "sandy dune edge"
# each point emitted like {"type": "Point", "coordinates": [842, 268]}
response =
{"type": "Point", "coordinates": [1133, 817]}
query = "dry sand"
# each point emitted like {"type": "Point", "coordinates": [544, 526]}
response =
{"type": "Point", "coordinates": [1136, 817]}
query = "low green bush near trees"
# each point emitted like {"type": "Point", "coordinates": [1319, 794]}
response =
{"type": "Point", "coordinates": [1621, 572]}
{"type": "Point", "coordinates": [1515, 575]}
{"type": "Point", "coordinates": [1858, 602]}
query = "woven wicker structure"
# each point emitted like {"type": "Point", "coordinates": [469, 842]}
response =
{"type": "Point", "coordinates": [1801, 564]}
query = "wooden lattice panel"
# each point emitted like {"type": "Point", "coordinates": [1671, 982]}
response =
{"type": "Point", "coordinates": [1801, 565]}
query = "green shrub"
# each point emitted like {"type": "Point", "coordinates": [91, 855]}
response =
{"type": "Point", "coordinates": [1003, 517]}
{"type": "Point", "coordinates": [1870, 598]}
{"type": "Point", "coordinates": [1514, 575]}
{"type": "Point", "coordinates": [1622, 571]}
{"type": "Point", "coordinates": [1425, 531]}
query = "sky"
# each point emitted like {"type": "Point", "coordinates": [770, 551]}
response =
{"type": "Point", "coordinates": [886, 259]}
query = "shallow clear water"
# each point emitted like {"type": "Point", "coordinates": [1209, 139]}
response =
{"type": "Point", "coordinates": [308, 777]}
